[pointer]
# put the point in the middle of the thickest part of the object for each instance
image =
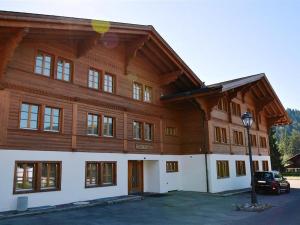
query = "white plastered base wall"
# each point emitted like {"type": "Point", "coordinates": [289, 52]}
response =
{"type": "Point", "coordinates": [233, 181]}
{"type": "Point", "coordinates": [191, 176]}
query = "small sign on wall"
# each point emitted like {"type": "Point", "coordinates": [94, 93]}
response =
{"type": "Point", "coordinates": [143, 146]}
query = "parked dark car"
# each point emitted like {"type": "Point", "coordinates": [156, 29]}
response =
{"type": "Point", "coordinates": [271, 181]}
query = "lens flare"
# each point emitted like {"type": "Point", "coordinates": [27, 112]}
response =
{"type": "Point", "coordinates": [100, 26]}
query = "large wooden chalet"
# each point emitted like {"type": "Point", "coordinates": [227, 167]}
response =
{"type": "Point", "coordinates": [94, 109]}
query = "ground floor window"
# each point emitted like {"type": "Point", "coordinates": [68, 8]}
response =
{"type": "Point", "coordinates": [37, 177]}
{"type": "Point", "coordinates": [255, 165]}
{"type": "Point", "coordinates": [265, 165]}
{"type": "Point", "coordinates": [172, 166]}
{"type": "Point", "coordinates": [222, 169]}
{"type": "Point", "coordinates": [240, 168]}
{"type": "Point", "coordinates": [100, 174]}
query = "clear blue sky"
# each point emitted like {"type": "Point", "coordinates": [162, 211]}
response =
{"type": "Point", "coordinates": [219, 40]}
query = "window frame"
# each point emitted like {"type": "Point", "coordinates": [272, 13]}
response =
{"type": "Point", "coordinates": [240, 167]}
{"type": "Point", "coordinates": [44, 54]}
{"type": "Point", "coordinates": [141, 93]}
{"type": "Point", "coordinates": [263, 142]}
{"type": "Point", "coordinates": [99, 175]}
{"type": "Point", "coordinates": [236, 109]}
{"type": "Point", "coordinates": [238, 138]}
{"type": "Point", "coordinates": [222, 105]}
{"type": "Point", "coordinates": [113, 83]}
{"type": "Point", "coordinates": [151, 132]}
{"type": "Point", "coordinates": [265, 164]}
{"type": "Point", "coordinates": [150, 95]}
{"type": "Point", "coordinates": [51, 119]}
{"type": "Point", "coordinates": [220, 135]}
{"type": "Point", "coordinates": [99, 78]}
{"type": "Point", "coordinates": [98, 124]}
{"type": "Point", "coordinates": [140, 128]}
{"type": "Point", "coordinates": [174, 168]}
{"type": "Point", "coordinates": [38, 116]}
{"type": "Point", "coordinates": [255, 165]}
{"type": "Point", "coordinates": [226, 163]}
{"type": "Point", "coordinates": [58, 58]}
{"type": "Point", "coordinates": [37, 175]}
{"type": "Point", "coordinates": [113, 126]}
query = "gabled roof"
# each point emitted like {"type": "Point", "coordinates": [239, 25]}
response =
{"type": "Point", "coordinates": [258, 85]}
{"type": "Point", "coordinates": [142, 39]}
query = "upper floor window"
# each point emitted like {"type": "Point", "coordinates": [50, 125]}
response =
{"type": "Point", "coordinates": [220, 135]}
{"type": "Point", "coordinates": [64, 70]}
{"type": "Point", "coordinates": [108, 126]}
{"type": "Point", "coordinates": [236, 109]}
{"type": "Point", "coordinates": [37, 176]}
{"type": "Point", "coordinates": [29, 116]}
{"type": "Point", "coordinates": [137, 91]}
{"type": "Point", "coordinates": [148, 132]}
{"type": "Point", "coordinates": [137, 130]}
{"type": "Point", "coordinates": [93, 80]}
{"type": "Point", "coordinates": [43, 64]}
{"type": "Point", "coordinates": [148, 94]}
{"type": "Point", "coordinates": [240, 168]}
{"type": "Point", "coordinates": [93, 124]}
{"type": "Point", "coordinates": [108, 84]}
{"type": "Point", "coordinates": [238, 138]}
{"type": "Point", "coordinates": [222, 169]}
{"type": "Point", "coordinates": [253, 140]}
{"type": "Point", "coordinates": [252, 113]}
{"type": "Point", "coordinates": [171, 131]}
{"type": "Point", "coordinates": [263, 142]}
{"type": "Point", "coordinates": [52, 119]}
{"type": "Point", "coordinates": [222, 105]}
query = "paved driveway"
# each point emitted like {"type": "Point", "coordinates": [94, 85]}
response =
{"type": "Point", "coordinates": [178, 208]}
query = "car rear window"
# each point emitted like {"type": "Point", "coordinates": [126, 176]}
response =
{"type": "Point", "coordinates": [263, 175]}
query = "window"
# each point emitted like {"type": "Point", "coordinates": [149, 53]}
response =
{"type": "Point", "coordinates": [137, 130]}
{"type": "Point", "coordinates": [220, 135]}
{"type": "Point", "coordinates": [222, 169]}
{"type": "Point", "coordinates": [137, 91]}
{"type": "Point", "coordinates": [43, 64]}
{"type": "Point", "coordinates": [148, 132]}
{"type": "Point", "coordinates": [253, 140]}
{"type": "Point", "coordinates": [52, 119]}
{"type": "Point", "coordinates": [252, 113]}
{"type": "Point", "coordinates": [36, 176]}
{"type": "Point", "coordinates": [29, 116]}
{"type": "Point", "coordinates": [263, 142]}
{"type": "Point", "coordinates": [170, 131]}
{"type": "Point", "coordinates": [94, 79]}
{"type": "Point", "coordinates": [108, 126]}
{"type": "Point", "coordinates": [238, 138]}
{"type": "Point", "coordinates": [148, 94]}
{"type": "Point", "coordinates": [236, 109]}
{"type": "Point", "coordinates": [93, 124]}
{"type": "Point", "coordinates": [172, 166]}
{"type": "Point", "coordinates": [255, 165]}
{"type": "Point", "coordinates": [108, 85]}
{"type": "Point", "coordinates": [222, 105]}
{"type": "Point", "coordinates": [101, 174]}
{"type": "Point", "coordinates": [265, 165]}
{"type": "Point", "coordinates": [64, 70]}
{"type": "Point", "coordinates": [240, 168]}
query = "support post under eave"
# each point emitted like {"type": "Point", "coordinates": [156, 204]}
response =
{"type": "Point", "coordinates": [9, 49]}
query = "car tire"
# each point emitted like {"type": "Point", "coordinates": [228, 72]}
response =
{"type": "Point", "coordinates": [278, 191]}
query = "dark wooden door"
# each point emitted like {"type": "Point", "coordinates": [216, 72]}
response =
{"type": "Point", "coordinates": [135, 177]}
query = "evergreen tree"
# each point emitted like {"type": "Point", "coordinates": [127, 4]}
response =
{"type": "Point", "coordinates": [276, 158]}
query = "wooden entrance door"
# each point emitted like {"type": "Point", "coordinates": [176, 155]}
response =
{"type": "Point", "coordinates": [135, 177]}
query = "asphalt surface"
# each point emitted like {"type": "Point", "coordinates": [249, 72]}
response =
{"type": "Point", "coordinates": [178, 208]}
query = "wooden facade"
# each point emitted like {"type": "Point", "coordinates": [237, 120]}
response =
{"type": "Point", "coordinates": [130, 53]}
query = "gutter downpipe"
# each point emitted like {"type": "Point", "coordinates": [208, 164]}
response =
{"type": "Point", "coordinates": [206, 173]}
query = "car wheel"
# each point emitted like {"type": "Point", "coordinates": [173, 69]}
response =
{"type": "Point", "coordinates": [288, 190]}
{"type": "Point", "coordinates": [278, 192]}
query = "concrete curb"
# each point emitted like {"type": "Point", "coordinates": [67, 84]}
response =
{"type": "Point", "coordinates": [231, 193]}
{"type": "Point", "coordinates": [32, 212]}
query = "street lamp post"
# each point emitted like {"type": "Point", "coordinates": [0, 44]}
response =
{"type": "Point", "coordinates": [247, 121]}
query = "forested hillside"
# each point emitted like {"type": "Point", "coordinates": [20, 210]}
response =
{"type": "Point", "coordinates": [288, 137]}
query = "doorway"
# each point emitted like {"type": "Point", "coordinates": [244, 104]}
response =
{"type": "Point", "coordinates": [135, 177]}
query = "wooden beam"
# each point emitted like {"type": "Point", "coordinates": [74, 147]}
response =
{"type": "Point", "coordinates": [87, 44]}
{"type": "Point", "coordinates": [132, 49]}
{"type": "Point", "coordinates": [9, 49]}
{"type": "Point", "coordinates": [262, 103]}
{"type": "Point", "coordinates": [153, 60]}
{"type": "Point", "coordinates": [168, 78]}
